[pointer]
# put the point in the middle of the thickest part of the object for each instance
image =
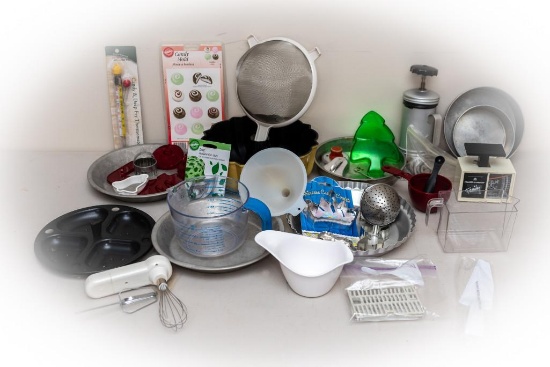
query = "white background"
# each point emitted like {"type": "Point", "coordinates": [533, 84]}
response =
{"type": "Point", "coordinates": [53, 94]}
{"type": "Point", "coordinates": [54, 87]}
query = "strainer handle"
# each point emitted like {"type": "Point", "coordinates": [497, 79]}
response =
{"type": "Point", "coordinates": [261, 132]}
{"type": "Point", "coordinates": [314, 54]}
{"type": "Point", "coordinates": [252, 40]}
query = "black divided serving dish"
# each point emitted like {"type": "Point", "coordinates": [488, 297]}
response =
{"type": "Point", "coordinates": [93, 239]}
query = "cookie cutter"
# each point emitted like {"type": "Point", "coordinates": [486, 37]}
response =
{"type": "Point", "coordinates": [131, 185]}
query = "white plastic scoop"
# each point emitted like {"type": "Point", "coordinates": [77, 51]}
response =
{"type": "Point", "coordinates": [311, 266]}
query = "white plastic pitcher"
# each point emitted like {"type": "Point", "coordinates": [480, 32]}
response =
{"type": "Point", "coordinates": [311, 266]}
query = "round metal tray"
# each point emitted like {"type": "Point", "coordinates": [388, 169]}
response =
{"type": "Point", "coordinates": [509, 119]}
{"type": "Point", "coordinates": [166, 244]}
{"type": "Point", "coordinates": [346, 143]}
{"type": "Point", "coordinates": [398, 232]}
{"type": "Point", "coordinates": [104, 165]}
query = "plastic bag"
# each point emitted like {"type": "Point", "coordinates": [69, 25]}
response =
{"type": "Point", "coordinates": [390, 289]}
{"type": "Point", "coordinates": [475, 292]}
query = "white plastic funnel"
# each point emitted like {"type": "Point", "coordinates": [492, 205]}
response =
{"type": "Point", "coordinates": [311, 266]}
{"type": "Point", "coordinates": [277, 177]}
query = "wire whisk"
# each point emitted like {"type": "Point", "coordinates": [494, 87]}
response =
{"type": "Point", "coordinates": [172, 311]}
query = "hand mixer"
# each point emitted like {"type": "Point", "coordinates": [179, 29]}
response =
{"type": "Point", "coordinates": [156, 270]}
{"type": "Point", "coordinates": [380, 205]}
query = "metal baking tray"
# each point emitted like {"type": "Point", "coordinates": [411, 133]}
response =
{"type": "Point", "coordinates": [250, 252]}
{"type": "Point", "coordinates": [346, 143]}
{"type": "Point", "coordinates": [104, 165]}
{"type": "Point", "coordinates": [398, 232]}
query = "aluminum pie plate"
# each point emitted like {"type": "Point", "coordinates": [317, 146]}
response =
{"type": "Point", "coordinates": [398, 232]}
{"type": "Point", "coordinates": [250, 252]}
{"type": "Point", "coordinates": [483, 124]}
{"type": "Point", "coordinates": [104, 165]}
{"type": "Point", "coordinates": [346, 143]}
{"type": "Point", "coordinates": [485, 115]}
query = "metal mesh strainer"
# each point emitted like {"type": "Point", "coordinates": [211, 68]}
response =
{"type": "Point", "coordinates": [380, 204]}
{"type": "Point", "coordinates": [276, 82]}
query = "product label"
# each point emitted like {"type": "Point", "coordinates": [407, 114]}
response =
{"type": "Point", "coordinates": [207, 158]}
{"type": "Point", "coordinates": [193, 89]}
{"type": "Point", "coordinates": [474, 185]}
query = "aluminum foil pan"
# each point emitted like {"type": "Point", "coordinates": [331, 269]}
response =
{"type": "Point", "coordinates": [396, 233]}
{"type": "Point", "coordinates": [104, 165]}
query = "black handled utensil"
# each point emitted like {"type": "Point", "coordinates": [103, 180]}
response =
{"type": "Point", "coordinates": [430, 184]}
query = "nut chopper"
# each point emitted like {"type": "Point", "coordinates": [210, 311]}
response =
{"type": "Point", "coordinates": [419, 107]}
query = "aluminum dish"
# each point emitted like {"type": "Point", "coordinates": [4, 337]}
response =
{"type": "Point", "coordinates": [104, 165]}
{"type": "Point", "coordinates": [483, 124]}
{"type": "Point", "coordinates": [165, 243]}
{"type": "Point", "coordinates": [489, 97]}
{"type": "Point", "coordinates": [398, 232]}
{"type": "Point", "coordinates": [346, 143]}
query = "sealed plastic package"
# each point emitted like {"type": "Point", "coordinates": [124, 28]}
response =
{"type": "Point", "coordinates": [390, 289]}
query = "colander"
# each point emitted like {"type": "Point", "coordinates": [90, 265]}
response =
{"type": "Point", "coordinates": [276, 82]}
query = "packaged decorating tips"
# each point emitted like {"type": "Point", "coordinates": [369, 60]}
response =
{"type": "Point", "coordinates": [124, 98]}
{"type": "Point", "coordinates": [193, 89]}
{"type": "Point", "coordinates": [207, 158]}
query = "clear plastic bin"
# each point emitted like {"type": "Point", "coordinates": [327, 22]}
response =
{"type": "Point", "coordinates": [474, 226]}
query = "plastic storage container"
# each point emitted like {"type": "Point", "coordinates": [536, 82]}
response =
{"type": "Point", "coordinates": [474, 226]}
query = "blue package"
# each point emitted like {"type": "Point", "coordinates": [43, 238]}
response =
{"type": "Point", "coordinates": [329, 208]}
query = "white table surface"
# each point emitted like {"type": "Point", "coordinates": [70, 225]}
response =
{"type": "Point", "coordinates": [251, 317]}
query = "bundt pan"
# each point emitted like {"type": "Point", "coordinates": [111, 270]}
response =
{"type": "Point", "coordinates": [297, 137]}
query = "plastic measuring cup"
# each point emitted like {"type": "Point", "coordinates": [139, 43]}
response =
{"type": "Point", "coordinates": [210, 214]}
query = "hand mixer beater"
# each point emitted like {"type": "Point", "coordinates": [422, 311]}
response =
{"type": "Point", "coordinates": [172, 311]}
{"type": "Point", "coordinates": [156, 270]}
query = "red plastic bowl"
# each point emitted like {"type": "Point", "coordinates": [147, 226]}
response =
{"type": "Point", "coordinates": [419, 198]}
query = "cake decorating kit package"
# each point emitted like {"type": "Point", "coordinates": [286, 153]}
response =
{"type": "Point", "coordinates": [124, 95]}
{"type": "Point", "coordinates": [207, 158]}
{"type": "Point", "coordinates": [193, 89]}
